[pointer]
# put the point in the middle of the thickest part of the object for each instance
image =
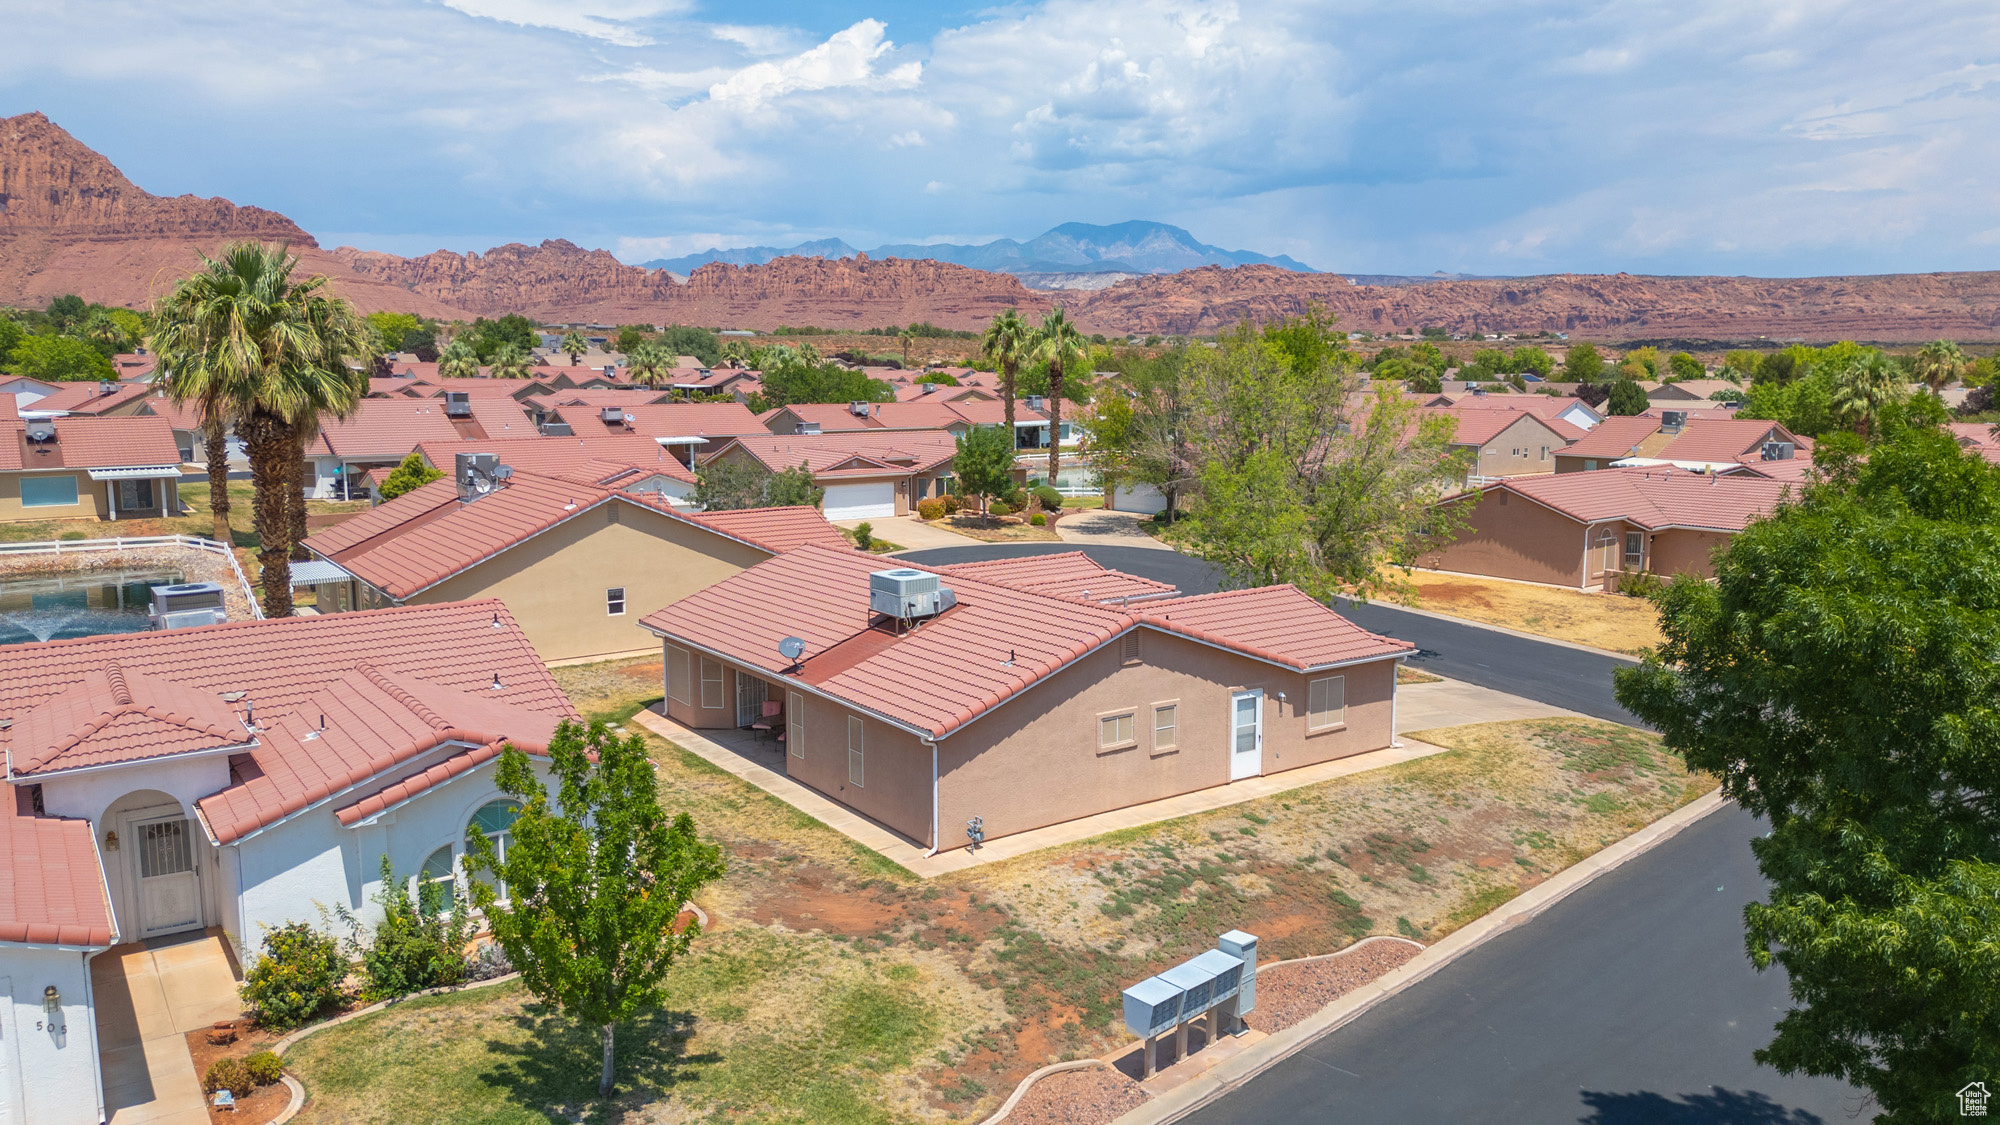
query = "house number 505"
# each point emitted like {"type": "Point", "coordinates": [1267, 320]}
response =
{"type": "Point", "coordinates": [58, 1028]}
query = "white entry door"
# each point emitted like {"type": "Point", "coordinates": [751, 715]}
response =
{"type": "Point", "coordinates": [859, 501]}
{"type": "Point", "coordinates": [1246, 734]}
{"type": "Point", "coordinates": [169, 888]}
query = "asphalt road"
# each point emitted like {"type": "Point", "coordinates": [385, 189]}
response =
{"type": "Point", "coordinates": [1629, 1003]}
{"type": "Point", "coordinates": [1549, 673]}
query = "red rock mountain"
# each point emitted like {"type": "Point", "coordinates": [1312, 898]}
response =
{"type": "Point", "coordinates": [70, 222]}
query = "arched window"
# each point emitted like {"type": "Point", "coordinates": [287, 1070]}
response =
{"type": "Point", "coordinates": [437, 874]}
{"type": "Point", "coordinates": [495, 819]}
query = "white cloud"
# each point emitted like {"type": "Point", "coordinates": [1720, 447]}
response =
{"type": "Point", "coordinates": [847, 59]}
{"type": "Point", "coordinates": [608, 20]}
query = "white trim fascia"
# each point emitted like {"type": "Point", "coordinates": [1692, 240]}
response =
{"type": "Point", "coordinates": [390, 808]}
{"type": "Point", "coordinates": [41, 775]}
{"type": "Point", "coordinates": [290, 816]}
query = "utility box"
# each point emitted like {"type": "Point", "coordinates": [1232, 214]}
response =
{"type": "Point", "coordinates": [185, 605]}
{"type": "Point", "coordinates": [1243, 947]}
{"type": "Point", "coordinates": [1228, 972]}
{"type": "Point", "coordinates": [1152, 1006]}
{"type": "Point", "coordinates": [904, 593]}
{"type": "Point", "coordinates": [1198, 981]}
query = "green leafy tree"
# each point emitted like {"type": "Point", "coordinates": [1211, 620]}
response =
{"type": "Point", "coordinates": [390, 328]}
{"type": "Point", "coordinates": [793, 487]}
{"type": "Point", "coordinates": [58, 359]}
{"type": "Point", "coordinates": [1803, 406]}
{"type": "Point", "coordinates": [1740, 365]}
{"type": "Point", "coordinates": [793, 377]}
{"type": "Point", "coordinates": [409, 476]}
{"type": "Point", "coordinates": [489, 336]}
{"type": "Point", "coordinates": [984, 464]}
{"type": "Point", "coordinates": [11, 333]}
{"type": "Point", "coordinates": [1531, 360]}
{"type": "Point", "coordinates": [460, 360]}
{"type": "Point", "coordinates": [1583, 364]}
{"type": "Point", "coordinates": [1685, 366]}
{"type": "Point", "coordinates": [573, 345]}
{"type": "Point", "coordinates": [1626, 397]}
{"type": "Point", "coordinates": [1940, 363]}
{"type": "Point", "coordinates": [688, 339]}
{"type": "Point", "coordinates": [1839, 676]}
{"type": "Point", "coordinates": [628, 339]}
{"type": "Point", "coordinates": [726, 484]}
{"type": "Point", "coordinates": [1139, 432]}
{"type": "Point", "coordinates": [1006, 344]}
{"type": "Point", "coordinates": [422, 342]}
{"type": "Point", "coordinates": [271, 353]}
{"type": "Point", "coordinates": [1062, 347]}
{"type": "Point", "coordinates": [595, 878]}
{"type": "Point", "coordinates": [1302, 480]}
{"type": "Point", "coordinates": [1492, 359]}
{"type": "Point", "coordinates": [67, 312]}
{"type": "Point", "coordinates": [1640, 363]}
{"type": "Point", "coordinates": [941, 378]}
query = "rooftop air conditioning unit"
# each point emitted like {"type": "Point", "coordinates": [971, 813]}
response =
{"type": "Point", "coordinates": [612, 415]}
{"type": "Point", "coordinates": [106, 386]}
{"type": "Point", "coordinates": [458, 404]}
{"type": "Point", "coordinates": [557, 428]}
{"type": "Point", "coordinates": [1035, 402]}
{"type": "Point", "coordinates": [1672, 421]}
{"type": "Point", "coordinates": [610, 371]}
{"type": "Point", "coordinates": [858, 409]}
{"type": "Point", "coordinates": [1779, 450]}
{"type": "Point", "coordinates": [186, 604]}
{"type": "Point", "coordinates": [476, 473]}
{"type": "Point", "coordinates": [40, 431]}
{"type": "Point", "coordinates": [928, 388]}
{"type": "Point", "coordinates": [905, 594]}
{"type": "Point", "coordinates": [808, 427]}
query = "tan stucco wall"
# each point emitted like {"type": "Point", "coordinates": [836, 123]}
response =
{"type": "Point", "coordinates": [1677, 551]}
{"type": "Point", "coordinates": [90, 500]}
{"type": "Point", "coordinates": [554, 584]}
{"type": "Point", "coordinates": [1496, 457]}
{"type": "Point", "coordinates": [1516, 539]}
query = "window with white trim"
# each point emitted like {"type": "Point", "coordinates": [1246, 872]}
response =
{"type": "Point", "coordinates": [495, 820]}
{"type": "Point", "coordinates": [1166, 726]}
{"type": "Point", "coordinates": [1116, 730]}
{"type": "Point", "coordinates": [795, 723]}
{"type": "Point", "coordinates": [711, 683]}
{"type": "Point", "coordinates": [48, 492]}
{"type": "Point", "coordinates": [614, 601]}
{"type": "Point", "coordinates": [1635, 547]}
{"type": "Point", "coordinates": [856, 752]}
{"type": "Point", "coordinates": [438, 880]}
{"type": "Point", "coordinates": [677, 674]}
{"type": "Point", "coordinates": [1326, 703]}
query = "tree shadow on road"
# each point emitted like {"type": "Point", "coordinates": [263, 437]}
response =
{"type": "Point", "coordinates": [1716, 1107]}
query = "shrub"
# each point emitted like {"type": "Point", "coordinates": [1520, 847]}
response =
{"type": "Point", "coordinates": [264, 1068]}
{"type": "Point", "coordinates": [1016, 498]}
{"type": "Point", "coordinates": [1039, 520]}
{"type": "Point", "coordinates": [228, 1074]}
{"type": "Point", "coordinates": [864, 535]}
{"type": "Point", "coordinates": [491, 961]}
{"type": "Point", "coordinates": [1000, 508]}
{"type": "Point", "coordinates": [930, 509]}
{"type": "Point", "coordinates": [297, 979]}
{"type": "Point", "coordinates": [418, 945]}
{"type": "Point", "coordinates": [951, 503]}
{"type": "Point", "coordinates": [1050, 498]}
{"type": "Point", "coordinates": [1641, 584]}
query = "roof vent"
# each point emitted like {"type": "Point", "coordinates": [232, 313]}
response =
{"type": "Point", "coordinates": [1673, 421]}
{"type": "Point", "coordinates": [39, 432]}
{"type": "Point", "coordinates": [858, 409]}
{"type": "Point", "coordinates": [458, 404]}
{"type": "Point", "coordinates": [1779, 450]}
{"type": "Point", "coordinates": [907, 594]}
{"type": "Point", "coordinates": [476, 473]}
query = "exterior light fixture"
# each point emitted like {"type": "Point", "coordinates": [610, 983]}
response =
{"type": "Point", "coordinates": [51, 1000]}
{"type": "Point", "coordinates": [111, 841]}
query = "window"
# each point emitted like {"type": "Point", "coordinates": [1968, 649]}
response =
{"type": "Point", "coordinates": [855, 757]}
{"type": "Point", "coordinates": [1545, 453]}
{"type": "Point", "coordinates": [711, 683]}
{"type": "Point", "coordinates": [795, 723]}
{"type": "Point", "coordinates": [48, 492]}
{"type": "Point", "coordinates": [1115, 730]}
{"type": "Point", "coordinates": [677, 674]}
{"type": "Point", "coordinates": [1166, 726]}
{"type": "Point", "coordinates": [614, 601]}
{"type": "Point", "coordinates": [1326, 703]}
{"type": "Point", "coordinates": [495, 820]}
{"type": "Point", "coordinates": [1635, 547]}
{"type": "Point", "coordinates": [1589, 465]}
{"type": "Point", "coordinates": [437, 879]}
{"type": "Point", "coordinates": [1129, 648]}
{"type": "Point", "coordinates": [134, 494]}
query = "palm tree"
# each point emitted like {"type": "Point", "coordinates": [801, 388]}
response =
{"type": "Point", "coordinates": [649, 364]}
{"type": "Point", "coordinates": [459, 360]}
{"type": "Point", "coordinates": [735, 354]}
{"type": "Point", "coordinates": [509, 362]}
{"type": "Point", "coordinates": [1938, 363]}
{"type": "Point", "coordinates": [1007, 341]}
{"type": "Point", "coordinates": [270, 353]}
{"type": "Point", "coordinates": [906, 336]}
{"type": "Point", "coordinates": [574, 345]}
{"type": "Point", "coordinates": [1059, 344]}
{"type": "Point", "coordinates": [1864, 387]}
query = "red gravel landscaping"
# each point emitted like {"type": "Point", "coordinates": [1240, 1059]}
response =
{"type": "Point", "coordinates": [1287, 994]}
{"type": "Point", "coordinates": [1097, 1095]}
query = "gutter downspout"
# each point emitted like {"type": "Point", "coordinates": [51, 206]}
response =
{"type": "Point", "coordinates": [1584, 578]}
{"type": "Point", "coordinates": [935, 842]}
{"type": "Point", "coordinates": [1394, 692]}
{"type": "Point", "coordinates": [96, 1058]}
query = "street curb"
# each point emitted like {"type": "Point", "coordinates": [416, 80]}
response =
{"type": "Point", "coordinates": [1490, 627]}
{"type": "Point", "coordinates": [1226, 1076]}
{"type": "Point", "coordinates": [1021, 1090]}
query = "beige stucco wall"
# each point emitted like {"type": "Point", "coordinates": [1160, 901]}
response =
{"type": "Point", "coordinates": [1679, 551]}
{"type": "Point", "coordinates": [91, 502]}
{"type": "Point", "coordinates": [1497, 459]}
{"type": "Point", "coordinates": [555, 583]}
{"type": "Point", "coordinates": [1518, 539]}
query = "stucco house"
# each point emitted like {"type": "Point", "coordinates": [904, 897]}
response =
{"type": "Point", "coordinates": [88, 468]}
{"type": "Point", "coordinates": [232, 777]}
{"type": "Point", "coordinates": [1038, 692]}
{"type": "Point", "coordinates": [575, 556]}
{"type": "Point", "coordinates": [1584, 530]}
{"type": "Point", "coordinates": [867, 474]}
{"type": "Point", "coordinates": [1509, 443]}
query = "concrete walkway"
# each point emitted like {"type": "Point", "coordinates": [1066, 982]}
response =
{"type": "Point", "coordinates": [1419, 707]}
{"type": "Point", "coordinates": [1106, 528]}
{"type": "Point", "coordinates": [149, 996]}
{"type": "Point", "coordinates": [911, 533]}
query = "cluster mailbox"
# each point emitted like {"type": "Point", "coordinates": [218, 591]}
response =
{"type": "Point", "coordinates": [1219, 984]}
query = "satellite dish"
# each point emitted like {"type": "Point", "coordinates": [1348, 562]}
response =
{"type": "Point", "coordinates": [791, 648]}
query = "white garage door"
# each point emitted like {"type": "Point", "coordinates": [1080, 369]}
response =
{"type": "Point", "coordinates": [860, 501]}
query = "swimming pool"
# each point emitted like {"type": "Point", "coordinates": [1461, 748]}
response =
{"type": "Point", "coordinates": [47, 607]}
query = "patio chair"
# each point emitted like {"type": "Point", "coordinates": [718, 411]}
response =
{"type": "Point", "coordinates": [769, 711]}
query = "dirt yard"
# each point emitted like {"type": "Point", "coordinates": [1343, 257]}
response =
{"type": "Point", "coordinates": [1000, 529]}
{"type": "Point", "coordinates": [1609, 621]}
{"type": "Point", "coordinates": [836, 988]}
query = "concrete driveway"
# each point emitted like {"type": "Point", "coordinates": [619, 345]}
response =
{"type": "Point", "coordinates": [914, 534]}
{"type": "Point", "coordinates": [1100, 527]}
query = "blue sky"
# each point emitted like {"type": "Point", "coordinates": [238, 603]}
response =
{"type": "Point", "coordinates": [1777, 137]}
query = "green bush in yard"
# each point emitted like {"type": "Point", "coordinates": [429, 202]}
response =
{"type": "Point", "coordinates": [1051, 499]}
{"type": "Point", "coordinates": [264, 1067]}
{"type": "Point", "coordinates": [296, 979]}
{"type": "Point", "coordinates": [418, 944]}
{"type": "Point", "coordinates": [1039, 520]}
{"type": "Point", "coordinates": [864, 535]}
{"type": "Point", "coordinates": [228, 1074]}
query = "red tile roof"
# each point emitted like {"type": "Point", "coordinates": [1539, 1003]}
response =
{"type": "Point", "coordinates": [181, 416]}
{"type": "Point", "coordinates": [1653, 498]}
{"type": "Point", "coordinates": [657, 420]}
{"type": "Point", "coordinates": [775, 529]}
{"type": "Point", "coordinates": [593, 460]}
{"type": "Point", "coordinates": [51, 883]}
{"type": "Point", "coordinates": [1715, 440]}
{"type": "Point", "coordinates": [832, 417]}
{"type": "Point", "coordinates": [1615, 437]}
{"type": "Point", "coordinates": [995, 643]}
{"type": "Point", "coordinates": [1070, 574]}
{"type": "Point", "coordinates": [88, 398]}
{"type": "Point", "coordinates": [907, 450]}
{"type": "Point", "coordinates": [119, 442]}
{"type": "Point", "coordinates": [383, 429]}
{"type": "Point", "coordinates": [113, 716]}
{"type": "Point", "coordinates": [1477, 426]}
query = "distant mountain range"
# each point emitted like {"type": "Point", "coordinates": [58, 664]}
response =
{"type": "Point", "coordinates": [1137, 247]}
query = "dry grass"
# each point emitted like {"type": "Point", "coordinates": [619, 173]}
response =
{"type": "Point", "coordinates": [1608, 621]}
{"type": "Point", "coordinates": [1409, 675]}
{"type": "Point", "coordinates": [1000, 529]}
{"type": "Point", "coordinates": [834, 987]}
